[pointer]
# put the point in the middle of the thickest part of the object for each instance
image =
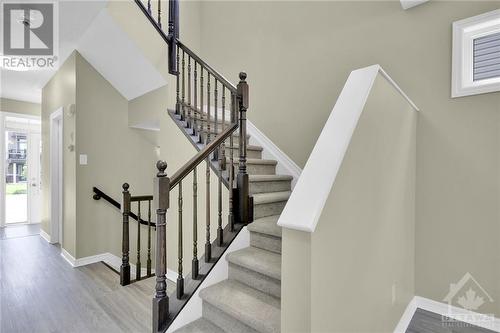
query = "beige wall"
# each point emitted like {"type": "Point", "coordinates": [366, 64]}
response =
{"type": "Point", "coordinates": [364, 241]}
{"type": "Point", "coordinates": [298, 55]}
{"type": "Point", "coordinates": [22, 107]}
{"type": "Point", "coordinates": [116, 154]}
{"type": "Point", "coordinates": [60, 92]}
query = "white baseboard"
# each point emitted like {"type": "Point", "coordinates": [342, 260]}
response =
{"type": "Point", "coordinates": [110, 259]}
{"type": "Point", "coordinates": [45, 235]}
{"type": "Point", "coordinates": [445, 310]}
{"type": "Point", "coordinates": [286, 165]}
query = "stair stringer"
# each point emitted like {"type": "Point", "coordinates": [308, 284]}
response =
{"type": "Point", "coordinates": [193, 309]}
{"type": "Point", "coordinates": [285, 166]}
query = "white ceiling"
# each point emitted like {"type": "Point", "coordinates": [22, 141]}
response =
{"type": "Point", "coordinates": [87, 27]}
{"type": "Point", "coordinates": [74, 19]}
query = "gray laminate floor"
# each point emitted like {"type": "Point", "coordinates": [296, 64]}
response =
{"type": "Point", "coordinates": [41, 292]}
{"type": "Point", "coordinates": [428, 322]}
{"type": "Point", "coordinates": [19, 230]}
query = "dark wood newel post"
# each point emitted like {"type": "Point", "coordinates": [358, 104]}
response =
{"type": "Point", "coordinates": [125, 267]}
{"type": "Point", "coordinates": [242, 178]}
{"type": "Point", "coordinates": [173, 34]}
{"type": "Point", "coordinates": [160, 300]}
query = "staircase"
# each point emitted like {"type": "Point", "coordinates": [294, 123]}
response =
{"type": "Point", "coordinates": [249, 300]}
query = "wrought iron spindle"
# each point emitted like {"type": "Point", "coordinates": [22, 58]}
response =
{"type": "Point", "coordinates": [195, 263]}
{"type": "Point", "coordinates": [208, 247]}
{"type": "Point", "coordinates": [220, 237]}
{"type": "Point", "coordinates": [149, 7]}
{"type": "Point", "coordinates": [242, 179]}
{"type": "Point", "coordinates": [160, 301]}
{"type": "Point", "coordinates": [200, 140]}
{"type": "Point", "coordinates": [189, 118]}
{"type": "Point", "coordinates": [159, 13]}
{"type": "Point", "coordinates": [148, 262]}
{"type": "Point", "coordinates": [125, 267]}
{"type": "Point", "coordinates": [183, 104]}
{"type": "Point", "coordinates": [195, 90]}
{"type": "Point", "coordinates": [207, 140]}
{"type": "Point", "coordinates": [138, 264]}
{"type": "Point", "coordinates": [178, 99]}
{"type": "Point", "coordinates": [222, 159]}
{"type": "Point", "coordinates": [180, 278]}
{"type": "Point", "coordinates": [216, 118]}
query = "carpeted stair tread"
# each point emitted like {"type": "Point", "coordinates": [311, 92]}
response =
{"type": "Point", "coordinates": [247, 305]}
{"type": "Point", "coordinates": [200, 325]}
{"type": "Point", "coordinates": [261, 261]}
{"type": "Point", "coordinates": [269, 178]}
{"type": "Point", "coordinates": [263, 198]}
{"type": "Point", "coordinates": [266, 225]}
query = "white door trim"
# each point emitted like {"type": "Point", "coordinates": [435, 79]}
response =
{"type": "Point", "coordinates": [56, 175]}
{"type": "Point", "coordinates": [2, 171]}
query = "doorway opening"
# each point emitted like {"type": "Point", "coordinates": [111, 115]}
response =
{"type": "Point", "coordinates": [20, 193]}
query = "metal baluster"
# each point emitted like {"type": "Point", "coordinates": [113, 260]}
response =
{"type": "Point", "coordinates": [160, 301]}
{"type": "Point", "coordinates": [195, 264]}
{"type": "Point", "coordinates": [216, 153]}
{"type": "Point", "coordinates": [183, 105]}
{"type": "Point", "coordinates": [208, 247]}
{"type": "Point", "coordinates": [200, 134]}
{"type": "Point", "coordinates": [149, 7]}
{"type": "Point", "coordinates": [178, 99]}
{"type": "Point", "coordinates": [125, 267]}
{"type": "Point", "coordinates": [220, 232]}
{"type": "Point", "coordinates": [207, 140]}
{"type": "Point", "coordinates": [195, 86]}
{"type": "Point", "coordinates": [148, 263]}
{"type": "Point", "coordinates": [159, 13]}
{"type": "Point", "coordinates": [189, 118]}
{"type": "Point", "coordinates": [231, 165]}
{"type": "Point", "coordinates": [138, 264]}
{"type": "Point", "coordinates": [222, 160]}
{"type": "Point", "coordinates": [242, 178]}
{"type": "Point", "coordinates": [180, 278]}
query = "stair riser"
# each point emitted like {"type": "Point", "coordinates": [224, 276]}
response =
{"type": "Point", "coordinates": [268, 209]}
{"type": "Point", "coordinates": [236, 138]}
{"type": "Point", "coordinates": [224, 320]}
{"type": "Point", "coordinates": [266, 242]}
{"type": "Point", "coordinates": [250, 153]}
{"type": "Point", "coordinates": [255, 280]}
{"type": "Point", "coordinates": [258, 169]}
{"type": "Point", "coordinates": [270, 186]}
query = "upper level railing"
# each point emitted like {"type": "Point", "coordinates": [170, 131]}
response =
{"type": "Point", "coordinates": [212, 110]}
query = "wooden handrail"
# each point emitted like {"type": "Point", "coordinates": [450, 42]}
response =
{"type": "Point", "coordinates": [201, 156]}
{"type": "Point", "coordinates": [98, 194]}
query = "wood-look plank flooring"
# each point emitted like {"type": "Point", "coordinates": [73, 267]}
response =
{"type": "Point", "coordinates": [428, 322]}
{"type": "Point", "coordinates": [41, 292]}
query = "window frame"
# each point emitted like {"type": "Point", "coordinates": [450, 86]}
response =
{"type": "Point", "coordinates": [464, 33]}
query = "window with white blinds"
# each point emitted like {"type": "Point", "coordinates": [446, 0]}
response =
{"type": "Point", "coordinates": [487, 57]}
{"type": "Point", "coordinates": [476, 55]}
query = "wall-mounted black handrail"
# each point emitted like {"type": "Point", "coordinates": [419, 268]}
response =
{"type": "Point", "coordinates": [98, 194]}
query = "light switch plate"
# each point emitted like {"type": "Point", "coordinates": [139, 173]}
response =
{"type": "Point", "coordinates": [83, 159]}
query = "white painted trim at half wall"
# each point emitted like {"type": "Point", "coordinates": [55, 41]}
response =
{"type": "Point", "coordinates": [308, 199]}
{"type": "Point", "coordinates": [407, 4]}
{"type": "Point", "coordinates": [442, 309]}
{"type": "Point", "coordinates": [285, 166]}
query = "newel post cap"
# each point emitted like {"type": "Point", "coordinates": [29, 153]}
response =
{"type": "Point", "coordinates": [161, 166]}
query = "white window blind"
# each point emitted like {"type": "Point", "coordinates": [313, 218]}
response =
{"type": "Point", "coordinates": [487, 57]}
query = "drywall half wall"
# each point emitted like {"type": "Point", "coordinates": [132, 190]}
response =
{"type": "Point", "coordinates": [356, 269]}
{"type": "Point", "coordinates": [22, 107]}
{"type": "Point", "coordinates": [297, 73]}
